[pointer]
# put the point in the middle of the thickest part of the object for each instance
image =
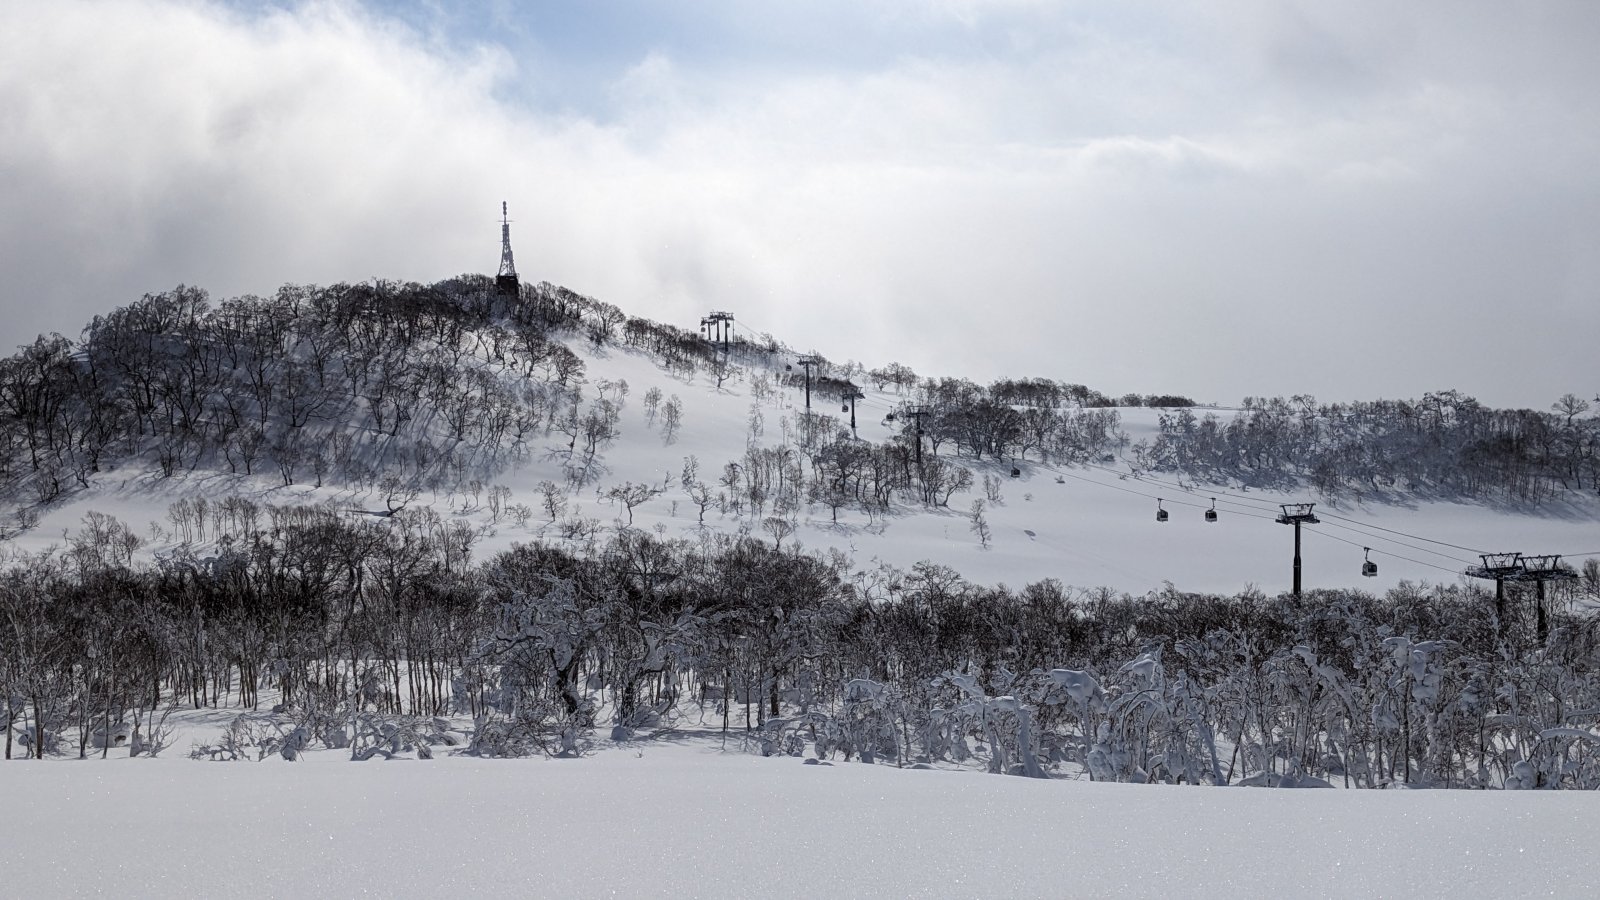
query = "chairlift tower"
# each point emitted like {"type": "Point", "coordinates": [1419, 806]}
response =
{"type": "Point", "coordinates": [852, 394]}
{"type": "Point", "coordinates": [506, 283]}
{"type": "Point", "coordinates": [1297, 514]}
{"type": "Point", "coordinates": [717, 326]}
{"type": "Point", "coordinates": [1539, 569]}
{"type": "Point", "coordinates": [809, 360]}
{"type": "Point", "coordinates": [915, 413]}
{"type": "Point", "coordinates": [1499, 568]}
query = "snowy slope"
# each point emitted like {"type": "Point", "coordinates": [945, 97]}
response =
{"type": "Point", "coordinates": [1085, 526]}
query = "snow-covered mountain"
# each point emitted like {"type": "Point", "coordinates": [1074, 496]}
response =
{"type": "Point", "coordinates": [447, 524]}
{"type": "Point", "coordinates": [559, 418]}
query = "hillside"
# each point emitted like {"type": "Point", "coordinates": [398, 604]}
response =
{"type": "Point", "coordinates": [400, 521]}
{"type": "Point", "coordinates": [495, 415]}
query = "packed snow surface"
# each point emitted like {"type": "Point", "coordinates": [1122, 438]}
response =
{"type": "Point", "coordinates": [688, 819]}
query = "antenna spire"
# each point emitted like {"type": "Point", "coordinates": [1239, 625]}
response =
{"type": "Point", "coordinates": [506, 283]}
{"type": "Point", "coordinates": [507, 266]}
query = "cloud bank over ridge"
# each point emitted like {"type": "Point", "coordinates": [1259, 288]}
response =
{"type": "Point", "coordinates": [1217, 199]}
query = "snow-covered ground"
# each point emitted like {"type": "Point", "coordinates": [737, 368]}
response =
{"type": "Point", "coordinates": [691, 817]}
{"type": "Point", "coordinates": [686, 819]}
{"type": "Point", "coordinates": [1085, 526]}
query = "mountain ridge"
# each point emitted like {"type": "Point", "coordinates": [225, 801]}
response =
{"type": "Point", "coordinates": [379, 393]}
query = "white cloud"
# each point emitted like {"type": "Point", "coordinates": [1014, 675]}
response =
{"type": "Point", "coordinates": [1218, 200]}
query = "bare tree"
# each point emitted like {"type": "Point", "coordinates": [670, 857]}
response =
{"type": "Point", "coordinates": [757, 424]}
{"type": "Point", "coordinates": [631, 495]}
{"type": "Point", "coordinates": [980, 524]}
{"type": "Point", "coordinates": [702, 497]}
{"type": "Point", "coordinates": [779, 527]}
{"type": "Point", "coordinates": [671, 419]}
{"type": "Point", "coordinates": [397, 493]}
{"type": "Point", "coordinates": [552, 499]}
{"type": "Point", "coordinates": [722, 370]}
{"type": "Point", "coordinates": [1571, 406]}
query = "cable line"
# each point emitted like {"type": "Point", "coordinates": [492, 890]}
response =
{"type": "Point", "coordinates": [1143, 477]}
{"type": "Point", "coordinates": [1417, 537]}
{"type": "Point", "coordinates": [1379, 537]}
{"type": "Point", "coordinates": [1255, 515]}
{"type": "Point", "coordinates": [1384, 553]}
{"type": "Point", "coordinates": [1118, 487]}
{"type": "Point", "coordinates": [1329, 515]}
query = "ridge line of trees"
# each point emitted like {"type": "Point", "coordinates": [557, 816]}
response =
{"type": "Point", "coordinates": [1446, 444]}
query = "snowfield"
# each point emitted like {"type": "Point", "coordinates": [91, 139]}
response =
{"type": "Point", "coordinates": [1087, 527]}
{"type": "Point", "coordinates": [688, 820]}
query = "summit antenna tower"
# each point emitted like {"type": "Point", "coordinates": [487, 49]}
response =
{"type": "Point", "coordinates": [506, 283]}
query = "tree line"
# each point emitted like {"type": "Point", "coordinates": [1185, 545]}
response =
{"type": "Point", "coordinates": [323, 629]}
{"type": "Point", "coordinates": [1446, 444]}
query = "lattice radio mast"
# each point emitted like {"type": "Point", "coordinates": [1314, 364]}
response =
{"type": "Point", "coordinates": [506, 283]}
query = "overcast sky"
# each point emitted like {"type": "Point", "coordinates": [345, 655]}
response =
{"type": "Point", "coordinates": [1219, 198]}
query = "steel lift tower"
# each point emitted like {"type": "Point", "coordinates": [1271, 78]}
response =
{"type": "Point", "coordinates": [1297, 514]}
{"type": "Point", "coordinates": [1503, 567]}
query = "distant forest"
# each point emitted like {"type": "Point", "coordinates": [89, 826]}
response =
{"type": "Point", "coordinates": [1445, 444]}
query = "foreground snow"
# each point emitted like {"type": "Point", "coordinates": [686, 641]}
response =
{"type": "Point", "coordinates": [688, 819]}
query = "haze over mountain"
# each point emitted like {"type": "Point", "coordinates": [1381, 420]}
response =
{"type": "Point", "coordinates": [1362, 201]}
